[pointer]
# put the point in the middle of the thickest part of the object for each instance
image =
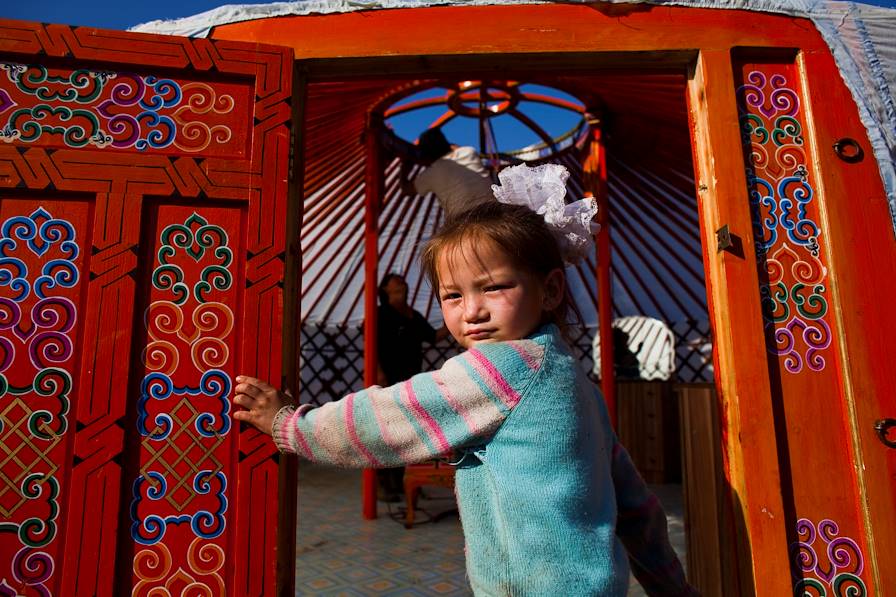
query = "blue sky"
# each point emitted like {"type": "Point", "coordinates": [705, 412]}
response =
{"type": "Point", "coordinates": [111, 14]}
{"type": "Point", "coordinates": [108, 14]}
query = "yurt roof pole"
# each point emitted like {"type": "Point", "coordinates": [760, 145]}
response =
{"type": "Point", "coordinates": [594, 172]}
{"type": "Point", "coordinates": [373, 193]}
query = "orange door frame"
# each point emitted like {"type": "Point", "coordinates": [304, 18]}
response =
{"type": "Point", "coordinates": [563, 36]}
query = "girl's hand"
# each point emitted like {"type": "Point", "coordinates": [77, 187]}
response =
{"type": "Point", "coordinates": [261, 401]}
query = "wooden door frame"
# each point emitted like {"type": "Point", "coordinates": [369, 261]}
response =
{"type": "Point", "coordinates": [484, 40]}
{"type": "Point", "coordinates": [725, 275]}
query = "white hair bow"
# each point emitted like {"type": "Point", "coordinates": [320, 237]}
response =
{"type": "Point", "coordinates": [543, 190]}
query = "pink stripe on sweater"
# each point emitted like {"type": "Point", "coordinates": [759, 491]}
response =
{"type": "Point", "coordinates": [493, 378]}
{"type": "Point", "coordinates": [290, 425]}
{"type": "Point", "coordinates": [458, 406]}
{"type": "Point", "coordinates": [353, 432]}
{"type": "Point", "coordinates": [529, 357]}
{"type": "Point", "coordinates": [425, 419]}
{"type": "Point", "coordinates": [377, 406]}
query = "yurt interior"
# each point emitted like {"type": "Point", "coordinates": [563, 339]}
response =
{"type": "Point", "coordinates": [680, 133]}
{"type": "Point", "coordinates": [636, 119]}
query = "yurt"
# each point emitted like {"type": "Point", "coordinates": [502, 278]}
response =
{"type": "Point", "coordinates": [222, 194]}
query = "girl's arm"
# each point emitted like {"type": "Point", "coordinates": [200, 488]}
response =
{"type": "Point", "coordinates": [461, 404]}
{"type": "Point", "coordinates": [641, 526]}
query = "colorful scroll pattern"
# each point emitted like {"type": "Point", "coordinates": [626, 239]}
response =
{"type": "Point", "coordinates": [825, 559]}
{"type": "Point", "coordinates": [180, 497]}
{"type": "Point", "coordinates": [793, 277]}
{"type": "Point", "coordinates": [40, 271]}
{"type": "Point", "coordinates": [103, 109]}
{"type": "Point", "coordinates": [73, 147]}
{"type": "Point", "coordinates": [827, 565]}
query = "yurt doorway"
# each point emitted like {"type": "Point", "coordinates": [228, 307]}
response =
{"type": "Point", "coordinates": [793, 231]}
{"type": "Point", "coordinates": [662, 391]}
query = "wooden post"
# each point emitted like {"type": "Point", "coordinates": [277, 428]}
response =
{"type": "Point", "coordinates": [750, 449]}
{"type": "Point", "coordinates": [373, 192]}
{"type": "Point", "coordinates": [595, 175]}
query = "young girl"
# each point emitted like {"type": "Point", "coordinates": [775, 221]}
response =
{"type": "Point", "coordinates": [549, 500]}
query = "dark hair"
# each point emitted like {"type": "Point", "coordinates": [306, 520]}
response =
{"type": "Point", "coordinates": [433, 144]}
{"type": "Point", "coordinates": [381, 289]}
{"type": "Point", "coordinates": [517, 230]}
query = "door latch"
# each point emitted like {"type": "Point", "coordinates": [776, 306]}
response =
{"type": "Point", "coordinates": [729, 242]}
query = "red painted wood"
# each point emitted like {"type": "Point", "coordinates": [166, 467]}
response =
{"type": "Point", "coordinates": [373, 193]}
{"type": "Point", "coordinates": [750, 404]}
{"type": "Point", "coordinates": [523, 29]}
{"type": "Point", "coordinates": [755, 534]}
{"type": "Point", "coordinates": [821, 499]}
{"type": "Point", "coordinates": [855, 216]}
{"type": "Point", "coordinates": [595, 176]}
{"type": "Point", "coordinates": [158, 242]}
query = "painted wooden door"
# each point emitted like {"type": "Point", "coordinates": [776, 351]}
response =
{"type": "Point", "coordinates": [813, 336]}
{"type": "Point", "coordinates": [143, 217]}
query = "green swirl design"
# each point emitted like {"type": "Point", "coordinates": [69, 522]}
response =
{"type": "Point", "coordinates": [787, 126]}
{"type": "Point", "coordinates": [805, 586]}
{"type": "Point", "coordinates": [81, 86]}
{"type": "Point", "coordinates": [34, 531]}
{"type": "Point", "coordinates": [774, 302]}
{"type": "Point", "coordinates": [752, 125]}
{"type": "Point", "coordinates": [848, 585]}
{"type": "Point", "coordinates": [170, 277]}
{"type": "Point", "coordinates": [77, 134]}
{"type": "Point", "coordinates": [48, 383]}
{"type": "Point", "coordinates": [220, 279]}
{"type": "Point", "coordinates": [813, 306]}
{"type": "Point", "coordinates": [195, 237]}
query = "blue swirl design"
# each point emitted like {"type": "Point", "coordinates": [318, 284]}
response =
{"type": "Point", "coordinates": [40, 231]}
{"type": "Point", "coordinates": [203, 523]}
{"type": "Point", "coordinates": [91, 125]}
{"type": "Point", "coordinates": [161, 131]}
{"type": "Point", "coordinates": [56, 272]}
{"type": "Point", "coordinates": [163, 88]}
{"type": "Point", "coordinates": [214, 383]}
{"type": "Point", "coordinates": [14, 273]}
{"type": "Point", "coordinates": [765, 221]}
{"type": "Point", "coordinates": [796, 194]}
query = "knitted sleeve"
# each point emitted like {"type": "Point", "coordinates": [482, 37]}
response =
{"type": "Point", "coordinates": [427, 416]}
{"type": "Point", "coordinates": [641, 526]}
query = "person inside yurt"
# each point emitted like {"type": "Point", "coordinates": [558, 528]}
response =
{"type": "Point", "coordinates": [454, 173]}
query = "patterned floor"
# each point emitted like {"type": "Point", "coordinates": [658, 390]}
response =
{"type": "Point", "coordinates": [340, 554]}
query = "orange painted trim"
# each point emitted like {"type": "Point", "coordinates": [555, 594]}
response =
{"type": "Point", "coordinates": [741, 370]}
{"type": "Point", "coordinates": [447, 30]}
{"type": "Point", "coordinates": [862, 257]}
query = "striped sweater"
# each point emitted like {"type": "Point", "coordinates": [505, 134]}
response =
{"type": "Point", "coordinates": [549, 500]}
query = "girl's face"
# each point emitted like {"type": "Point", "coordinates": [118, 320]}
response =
{"type": "Point", "coordinates": [485, 297]}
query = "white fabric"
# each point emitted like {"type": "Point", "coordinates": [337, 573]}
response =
{"type": "Point", "coordinates": [458, 180]}
{"type": "Point", "coordinates": [862, 39]}
{"type": "Point", "coordinates": [543, 190]}
{"type": "Point", "coordinates": [652, 342]}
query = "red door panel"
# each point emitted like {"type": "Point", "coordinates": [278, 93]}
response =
{"type": "Point", "coordinates": [143, 209]}
{"type": "Point", "coordinates": [826, 535]}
